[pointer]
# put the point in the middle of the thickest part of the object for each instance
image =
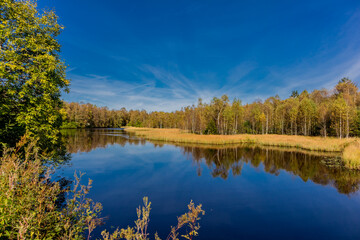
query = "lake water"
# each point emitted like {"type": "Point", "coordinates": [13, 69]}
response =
{"type": "Point", "coordinates": [246, 192]}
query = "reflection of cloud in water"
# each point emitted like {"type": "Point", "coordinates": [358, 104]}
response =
{"type": "Point", "coordinates": [221, 162]}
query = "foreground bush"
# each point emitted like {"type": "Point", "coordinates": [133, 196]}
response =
{"type": "Point", "coordinates": [139, 232]}
{"type": "Point", "coordinates": [32, 206]}
{"type": "Point", "coordinates": [30, 203]}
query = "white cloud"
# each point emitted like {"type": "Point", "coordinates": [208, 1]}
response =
{"type": "Point", "coordinates": [114, 93]}
{"type": "Point", "coordinates": [156, 88]}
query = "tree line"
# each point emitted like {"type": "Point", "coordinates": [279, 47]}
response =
{"type": "Point", "coordinates": [322, 112]}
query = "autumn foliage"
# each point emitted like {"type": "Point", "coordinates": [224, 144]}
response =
{"type": "Point", "coordinates": [319, 113]}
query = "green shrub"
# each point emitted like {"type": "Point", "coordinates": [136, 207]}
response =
{"type": "Point", "coordinates": [69, 125]}
{"type": "Point", "coordinates": [30, 204]}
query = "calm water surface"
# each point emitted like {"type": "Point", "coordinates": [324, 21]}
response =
{"type": "Point", "coordinates": [247, 192]}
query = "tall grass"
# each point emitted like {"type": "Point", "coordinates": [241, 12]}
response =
{"type": "Point", "coordinates": [300, 142]}
{"type": "Point", "coordinates": [351, 155]}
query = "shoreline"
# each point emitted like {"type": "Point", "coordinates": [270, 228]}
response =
{"type": "Point", "coordinates": [328, 144]}
{"type": "Point", "coordinates": [349, 148]}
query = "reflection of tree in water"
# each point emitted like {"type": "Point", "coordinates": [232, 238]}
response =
{"type": "Point", "coordinates": [85, 140]}
{"type": "Point", "coordinates": [223, 160]}
{"type": "Point", "coordinates": [306, 166]}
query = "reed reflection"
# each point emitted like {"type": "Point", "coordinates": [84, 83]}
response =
{"type": "Point", "coordinates": [86, 140]}
{"type": "Point", "coordinates": [223, 161]}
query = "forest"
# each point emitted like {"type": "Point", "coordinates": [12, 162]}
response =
{"type": "Point", "coordinates": [334, 112]}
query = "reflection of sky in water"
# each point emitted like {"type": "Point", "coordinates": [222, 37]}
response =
{"type": "Point", "coordinates": [253, 205]}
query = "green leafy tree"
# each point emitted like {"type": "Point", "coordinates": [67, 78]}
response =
{"type": "Point", "coordinates": [357, 123]}
{"type": "Point", "coordinates": [293, 105]}
{"type": "Point", "coordinates": [280, 117]}
{"type": "Point", "coordinates": [238, 111]}
{"type": "Point", "coordinates": [308, 112]}
{"type": "Point", "coordinates": [32, 75]}
{"type": "Point", "coordinates": [324, 117]}
{"type": "Point", "coordinates": [294, 94]}
{"type": "Point", "coordinates": [349, 91]}
{"type": "Point", "coordinates": [339, 111]}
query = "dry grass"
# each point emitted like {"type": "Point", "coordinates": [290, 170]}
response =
{"type": "Point", "coordinates": [351, 155]}
{"type": "Point", "coordinates": [249, 145]}
{"type": "Point", "coordinates": [299, 142]}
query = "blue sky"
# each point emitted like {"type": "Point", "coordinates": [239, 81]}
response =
{"type": "Point", "coordinates": [162, 55]}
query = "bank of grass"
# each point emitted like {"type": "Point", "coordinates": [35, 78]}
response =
{"type": "Point", "coordinates": [348, 147]}
{"type": "Point", "coordinates": [250, 146]}
{"type": "Point", "coordinates": [300, 142]}
{"type": "Point", "coordinates": [351, 155]}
